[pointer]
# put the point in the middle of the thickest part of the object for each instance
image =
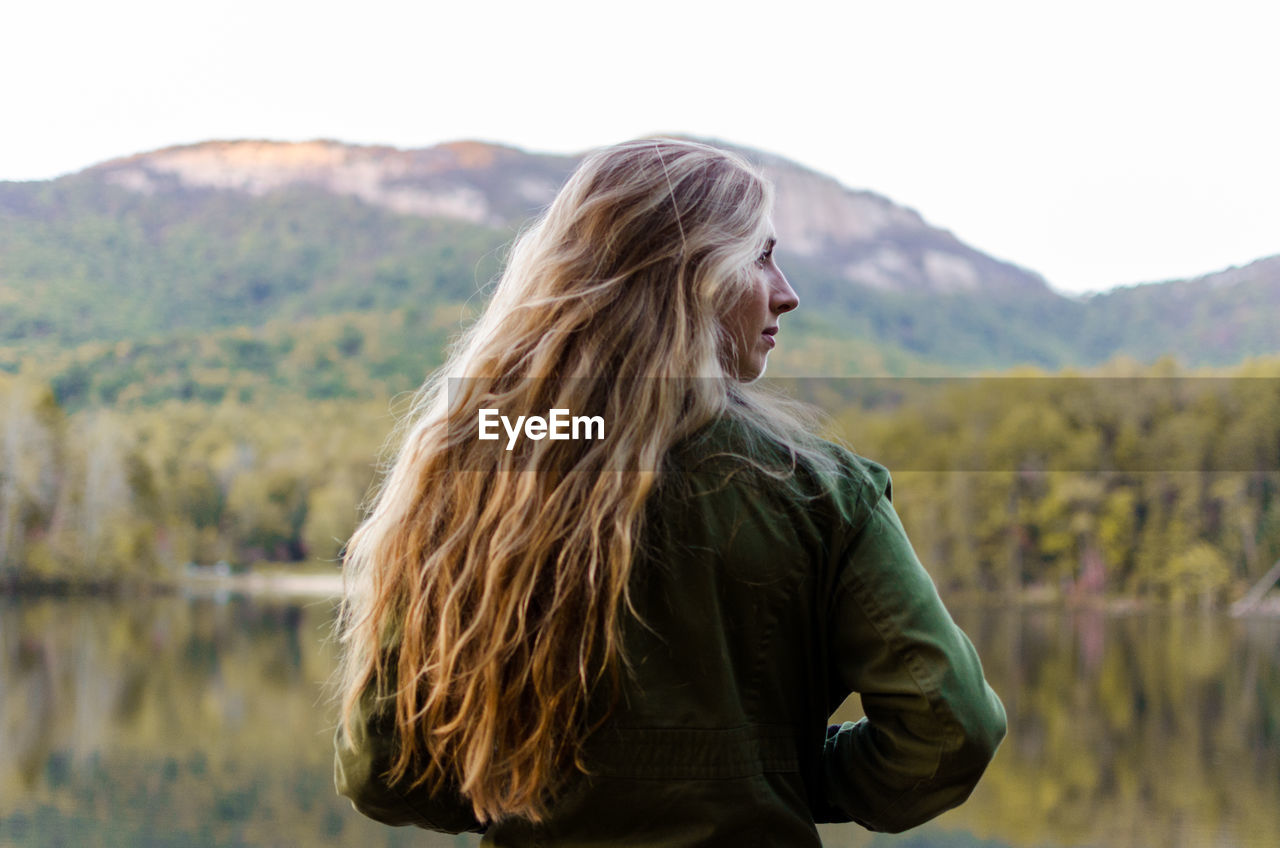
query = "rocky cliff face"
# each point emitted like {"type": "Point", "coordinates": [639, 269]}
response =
{"type": "Point", "coordinates": [872, 241]}
{"type": "Point", "coordinates": [859, 236]}
{"type": "Point", "coordinates": [467, 181]}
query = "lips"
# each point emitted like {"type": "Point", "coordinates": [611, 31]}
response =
{"type": "Point", "coordinates": [769, 333]}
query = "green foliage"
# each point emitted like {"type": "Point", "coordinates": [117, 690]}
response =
{"type": "Point", "coordinates": [112, 498]}
{"type": "Point", "coordinates": [343, 356]}
{"type": "Point", "coordinates": [1209, 325]}
{"type": "Point", "coordinates": [1139, 483]}
{"type": "Point", "coordinates": [81, 261]}
{"type": "Point", "coordinates": [951, 333]}
{"type": "Point", "coordinates": [1144, 485]}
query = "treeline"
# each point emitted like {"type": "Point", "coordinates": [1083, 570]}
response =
{"type": "Point", "coordinates": [346, 356]}
{"type": "Point", "coordinates": [349, 356]}
{"type": "Point", "coordinates": [1131, 481]}
{"type": "Point", "coordinates": [106, 497]}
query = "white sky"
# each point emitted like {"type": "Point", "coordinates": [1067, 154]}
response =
{"type": "Point", "coordinates": [1098, 143]}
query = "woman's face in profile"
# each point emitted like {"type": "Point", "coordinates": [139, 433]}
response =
{"type": "Point", "coordinates": [752, 323]}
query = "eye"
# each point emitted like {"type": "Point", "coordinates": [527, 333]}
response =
{"type": "Point", "coordinates": [763, 259]}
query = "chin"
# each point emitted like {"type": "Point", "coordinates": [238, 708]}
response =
{"type": "Point", "coordinates": [752, 377]}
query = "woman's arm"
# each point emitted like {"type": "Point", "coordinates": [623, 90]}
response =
{"type": "Point", "coordinates": [932, 723]}
{"type": "Point", "coordinates": [359, 772]}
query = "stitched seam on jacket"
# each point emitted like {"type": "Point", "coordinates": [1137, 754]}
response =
{"type": "Point", "coordinates": [695, 753]}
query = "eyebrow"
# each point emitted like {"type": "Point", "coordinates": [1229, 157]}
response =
{"type": "Point", "coordinates": [770, 242]}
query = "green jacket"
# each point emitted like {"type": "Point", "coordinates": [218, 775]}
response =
{"type": "Point", "coordinates": [768, 603]}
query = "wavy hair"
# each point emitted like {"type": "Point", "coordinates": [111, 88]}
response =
{"type": "Point", "coordinates": [486, 589]}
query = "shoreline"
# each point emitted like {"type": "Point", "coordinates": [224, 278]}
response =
{"type": "Point", "coordinates": [271, 584]}
{"type": "Point", "coordinates": [318, 586]}
{"type": "Point", "coordinates": [268, 585]}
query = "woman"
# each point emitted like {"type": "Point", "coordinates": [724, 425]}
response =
{"type": "Point", "coordinates": [636, 636]}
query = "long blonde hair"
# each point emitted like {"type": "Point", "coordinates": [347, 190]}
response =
{"type": "Point", "coordinates": [487, 588]}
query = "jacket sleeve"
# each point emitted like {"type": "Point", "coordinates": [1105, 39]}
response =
{"type": "Point", "coordinates": [359, 772]}
{"type": "Point", "coordinates": [932, 723]}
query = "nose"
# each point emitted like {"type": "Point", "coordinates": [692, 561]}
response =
{"type": "Point", "coordinates": [783, 298]}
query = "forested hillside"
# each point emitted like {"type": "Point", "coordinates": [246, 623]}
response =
{"type": "Point", "coordinates": [244, 235]}
{"type": "Point", "coordinates": [84, 261]}
{"type": "Point", "coordinates": [202, 351]}
{"type": "Point", "coordinates": [1137, 482]}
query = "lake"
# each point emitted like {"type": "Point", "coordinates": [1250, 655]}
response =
{"type": "Point", "coordinates": [201, 722]}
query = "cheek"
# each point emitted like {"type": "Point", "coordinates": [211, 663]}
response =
{"type": "Point", "coordinates": [760, 307]}
{"type": "Point", "coordinates": [739, 315]}
{"type": "Point", "coordinates": [748, 314]}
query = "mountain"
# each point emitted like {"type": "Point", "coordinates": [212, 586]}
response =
{"type": "Point", "coordinates": [865, 238]}
{"type": "Point", "coordinates": [1215, 319]}
{"type": "Point", "coordinates": [213, 240]}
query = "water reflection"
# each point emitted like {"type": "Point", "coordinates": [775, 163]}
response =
{"type": "Point", "coordinates": [1138, 730]}
{"type": "Point", "coordinates": [194, 722]}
